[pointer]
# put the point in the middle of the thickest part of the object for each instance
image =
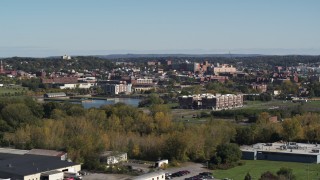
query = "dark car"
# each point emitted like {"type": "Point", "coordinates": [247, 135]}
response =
{"type": "Point", "coordinates": [206, 173]}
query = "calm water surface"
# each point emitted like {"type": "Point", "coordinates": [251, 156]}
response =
{"type": "Point", "coordinates": [98, 103]}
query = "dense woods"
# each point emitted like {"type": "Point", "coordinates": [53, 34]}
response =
{"type": "Point", "coordinates": [84, 133]}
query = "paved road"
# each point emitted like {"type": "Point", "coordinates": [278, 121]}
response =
{"type": "Point", "coordinates": [99, 176]}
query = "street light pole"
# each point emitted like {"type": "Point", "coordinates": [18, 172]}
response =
{"type": "Point", "coordinates": [308, 171]}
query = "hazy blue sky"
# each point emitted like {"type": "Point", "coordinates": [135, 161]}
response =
{"type": "Point", "coordinates": [56, 27]}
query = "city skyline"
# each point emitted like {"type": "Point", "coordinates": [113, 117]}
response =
{"type": "Point", "coordinates": [39, 29]}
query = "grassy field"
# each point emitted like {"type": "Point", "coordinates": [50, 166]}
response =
{"type": "Point", "coordinates": [12, 90]}
{"type": "Point", "coordinates": [310, 106]}
{"type": "Point", "coordinates": [256, 168]}
{"type": "Point", "coordinates": [189, 115]}
{"type": "Point", "coordinates": [274, 104]}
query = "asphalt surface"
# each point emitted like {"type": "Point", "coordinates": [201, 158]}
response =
{"type": "Point", "coordinates": [194, 169]}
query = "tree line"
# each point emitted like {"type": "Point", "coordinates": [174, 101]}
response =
{"type": "Point", "coordinates": [85, 133]}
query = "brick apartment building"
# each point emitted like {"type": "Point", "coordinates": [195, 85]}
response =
{"type": "Point", "coordinates": [210, 101]}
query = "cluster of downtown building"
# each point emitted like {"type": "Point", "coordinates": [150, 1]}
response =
{"type": "Point", "coordinates": [131, 76]}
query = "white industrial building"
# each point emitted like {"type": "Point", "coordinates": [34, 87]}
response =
{"type": "Point", "coordinates": [282, 151]}
{"type": "Point", "coordinates": [35, 165]}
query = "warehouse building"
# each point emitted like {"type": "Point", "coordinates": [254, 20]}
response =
{"type": "Point", "coordinates": [279, 151]}
{"type": "Point", "coordinates": [20, 165]}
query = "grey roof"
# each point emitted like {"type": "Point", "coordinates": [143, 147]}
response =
{"type": "Point", "coordinates": [13, 151]}
{"type": "Point", "coordinates": [46, 152]}
{"type": "Point", "coordinates": [31, 164]}
{"type": "Point", "coordinates": [4, 156]}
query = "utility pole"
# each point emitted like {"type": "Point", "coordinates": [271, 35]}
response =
{"type": "Point", "coordinates": [308, 171]}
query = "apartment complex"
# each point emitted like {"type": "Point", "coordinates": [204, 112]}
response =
{"type": "Point", "coordinates": [114, 89]}
{"type": "Point", "coordinates": [224, 68]}
{"type": "Point", "coordinates": [210, 101]}
{"type": "Point", "coordinates": [141, 81]}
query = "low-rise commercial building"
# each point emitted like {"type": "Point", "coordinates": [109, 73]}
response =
{"type": "Point", "coordinates": [282, 151]}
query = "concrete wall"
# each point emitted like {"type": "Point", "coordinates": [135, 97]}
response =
{"type": "Point", "coordinates": [33, 177]}
{"type": "Point", "coordinates": [57, 176]}
{"type": "Point", "coordinates": [75, 168]}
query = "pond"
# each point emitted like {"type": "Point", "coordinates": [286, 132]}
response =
{"type": "Point", "coordinates": [98, 103]}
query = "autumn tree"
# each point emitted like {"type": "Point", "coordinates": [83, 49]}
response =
{"type": "Point", "coordinates": [176, 147]}
{"type": "Point", "coordinates": [228, 153]}
{"type": "Point", "coordinates": [291, 129]}
{"type": "Point", "coordinates": [17, 114]}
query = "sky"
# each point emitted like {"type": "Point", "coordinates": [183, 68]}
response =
{"type": "Point", "coordinates": [41, 28]}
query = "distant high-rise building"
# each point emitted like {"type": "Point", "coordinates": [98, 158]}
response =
{"type": "Point", "coordinates": [2, 70]}
{"type": "Point", "coordinates": [66, 57]}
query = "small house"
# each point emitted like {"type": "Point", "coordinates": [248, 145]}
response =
{"type": "Point", "coordinates": [113, 157]}
{"type": "Point", "coordinates": [161, 163]}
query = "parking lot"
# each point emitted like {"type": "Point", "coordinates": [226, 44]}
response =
{"type": "Point", "coordinates": [194, 169]}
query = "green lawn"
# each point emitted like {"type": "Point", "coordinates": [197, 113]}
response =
{"type": "Point", "coordinates": [257, 167]}
{"type": "Point", "coordinates": [12, 90]}
{"type": "Point", "coordinates": [189, 115]}
{"type": "Point", "coordinates": [274, 104]}
{"type": "Point", "coordinates": [311, 106]}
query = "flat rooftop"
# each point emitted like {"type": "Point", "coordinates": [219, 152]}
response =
{"type": "Point", "coordinates": [13, 151]}
{"type": "Point", "coordinates": [284, 147]}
